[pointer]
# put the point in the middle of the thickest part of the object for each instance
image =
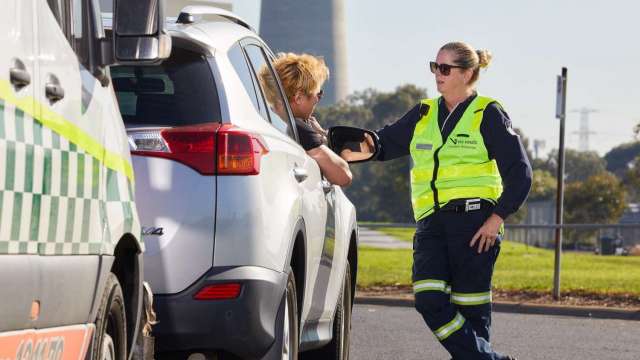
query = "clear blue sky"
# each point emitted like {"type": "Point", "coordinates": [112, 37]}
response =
{"type": "Point", "coordinates": [389, 45]}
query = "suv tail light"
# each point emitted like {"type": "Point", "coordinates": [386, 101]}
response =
{"type": "Point", "coordinates": [210, 149]}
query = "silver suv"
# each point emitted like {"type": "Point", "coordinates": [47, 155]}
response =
{"type": "Point", "coordinates": [250, 252]}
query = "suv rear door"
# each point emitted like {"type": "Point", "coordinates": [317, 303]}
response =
{"type": "Point", "coordinates": [288, 175]}
{"type": "Point", "coordinates": [317, 209]}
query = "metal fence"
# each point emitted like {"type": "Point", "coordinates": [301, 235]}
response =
{"type": "Point", "coordinates": [607, 239]}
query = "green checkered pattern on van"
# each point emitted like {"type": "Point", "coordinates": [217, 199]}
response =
{"type": "Point", "coordinates": [52, 195]}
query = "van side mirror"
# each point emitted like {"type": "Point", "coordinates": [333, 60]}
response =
{"type": "Point", "coordinates": [354, 144]}
{"type": "Point", "coordinates": [139, 34]}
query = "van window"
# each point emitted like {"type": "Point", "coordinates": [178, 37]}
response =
{"type": "Point", "coordinates": [180, 91]}
{"type": "Point", "coordinates": [69, 15]}
{"type": "Point", "coordinates": [59, 10]}
{"type": "Point", "coordinates": [276, 103]}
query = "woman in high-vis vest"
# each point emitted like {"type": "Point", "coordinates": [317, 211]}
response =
{"type": "Point", "coordinates": [469, 173]}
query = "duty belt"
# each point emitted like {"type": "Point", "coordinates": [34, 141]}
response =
{"type": "Point", "coordinates": [466, 205]}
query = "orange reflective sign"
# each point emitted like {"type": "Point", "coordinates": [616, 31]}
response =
{"type": "Point", "coordinates": [61, 343]}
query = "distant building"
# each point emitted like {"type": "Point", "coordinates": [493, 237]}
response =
{"type": "Point", "coordinates": [316, 27]}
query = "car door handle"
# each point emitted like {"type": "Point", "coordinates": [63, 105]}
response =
{"type": "Point", "coordinates": [326, 186]}
{"type": "Point", "coordinates": [54, 92]}
{"type": "Point", "coordinates": [300, 174]}
{"type": "Point", "coordinates": [19, 77]}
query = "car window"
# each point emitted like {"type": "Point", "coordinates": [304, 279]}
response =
{"type": "Point", "coordinates": [239, 62]}
{"type": "Point", "coordinates": [180, 91]}
{"type": "Point", "coordinates": [275, 101]}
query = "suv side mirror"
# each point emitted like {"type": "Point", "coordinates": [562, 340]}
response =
{"type": "Point", "coordinates": [354, 144]}
{"type": "Point", "coordinates": [139, 34]}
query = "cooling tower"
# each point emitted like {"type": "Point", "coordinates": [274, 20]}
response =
{"type": "Point", "coordinates": [316, 27]}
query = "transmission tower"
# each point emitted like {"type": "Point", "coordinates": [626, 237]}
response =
{"type": "Point", "coordinates": [538, 145]}
{"type": "Point", "coordinates": [584, 132]}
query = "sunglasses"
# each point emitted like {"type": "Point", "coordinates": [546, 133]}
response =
{"type": "Point", "coordinates": [320, 94]}
{"type": "Point", "coordinates": [445, 69]}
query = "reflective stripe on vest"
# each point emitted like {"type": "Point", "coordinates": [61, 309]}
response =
{"type": "Point", "coordinates": [457, 168]}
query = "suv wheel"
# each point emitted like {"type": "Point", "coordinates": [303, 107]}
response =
{"type": "Point", "coordinates": [290, 322]}
{"type": "Point", "coordinates": [338, 348]}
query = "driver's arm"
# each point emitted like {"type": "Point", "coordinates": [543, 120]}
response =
{"type": "Point", "coordinates": [334, 168]}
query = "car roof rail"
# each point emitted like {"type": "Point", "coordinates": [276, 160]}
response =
{"type": "Point", "coordinates": [191, 13]}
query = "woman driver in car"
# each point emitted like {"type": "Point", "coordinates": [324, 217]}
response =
{"type": "Point", "coordinates": [302, 77]}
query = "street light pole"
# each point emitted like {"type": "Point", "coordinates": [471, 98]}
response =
{"type": "Point", "coordinates": [561, 107]}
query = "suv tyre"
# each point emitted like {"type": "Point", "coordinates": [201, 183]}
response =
{"type": "Point", "coordinates": [338, 348]}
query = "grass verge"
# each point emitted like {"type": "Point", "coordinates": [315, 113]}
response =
{"type": "Point", "coordinates": [518, 269]}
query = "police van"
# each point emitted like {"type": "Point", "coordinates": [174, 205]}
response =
{"type": "Point", "coordinates": [70, 245]}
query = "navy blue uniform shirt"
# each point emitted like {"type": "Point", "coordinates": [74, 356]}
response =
{"type": "Point", "coordinates": [502, 143]}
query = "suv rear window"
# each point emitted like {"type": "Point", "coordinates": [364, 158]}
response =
{"type": "Point", "coordinates": [180, 91]}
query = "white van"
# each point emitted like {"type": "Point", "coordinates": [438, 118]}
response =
{"type": "Point", "coordinates": [70, 245]}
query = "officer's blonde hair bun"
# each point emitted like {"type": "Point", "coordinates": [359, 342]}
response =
{"type": "Point", "coordinates": [484, 58]}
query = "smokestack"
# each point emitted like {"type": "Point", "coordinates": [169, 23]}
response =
{"type": "Point", "coordinates": [314, 27]}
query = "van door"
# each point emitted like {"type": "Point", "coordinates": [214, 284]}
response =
{"type": "Point", "coordinates": [18, 248]}
{"type": "Point", "coordinates": [68, 175]}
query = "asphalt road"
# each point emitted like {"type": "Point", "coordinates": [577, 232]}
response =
{"type": "Point", "coordinates": [398, 333]}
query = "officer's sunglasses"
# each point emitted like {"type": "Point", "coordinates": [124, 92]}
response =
{"type": "Point", "coordinates": [445, 69]}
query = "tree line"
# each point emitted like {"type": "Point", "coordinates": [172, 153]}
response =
{"type": "Point", "coordinates": [597, 188]}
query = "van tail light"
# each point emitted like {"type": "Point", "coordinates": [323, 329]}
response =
{"type": "Point", "coordinates": [210, 149]}
{"type": "Point", "coordinates": [219, 292]}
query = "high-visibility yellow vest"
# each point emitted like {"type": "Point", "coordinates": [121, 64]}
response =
{"type": "Point", "coordinates": [456, 168]}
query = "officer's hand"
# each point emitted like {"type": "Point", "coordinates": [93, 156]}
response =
{"type": "Point", "coordinates": [487, 234]}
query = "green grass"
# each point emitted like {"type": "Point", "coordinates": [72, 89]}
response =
{"type": "Point", "coordinates": [518, 268]}
{"type": "Point", "coordinates": [404, 234]}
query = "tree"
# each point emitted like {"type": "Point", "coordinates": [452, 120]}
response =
{"type": "Point", "coordinates": [599, 199]}
{"type": "Point", "coordinates": [579, 165]}
{"type": "Point", "coordinates": [380, 191]}
{"type": "Point", "coordinates": [543, 186]}
{"type": "Point", "coordinates": [620, 157]}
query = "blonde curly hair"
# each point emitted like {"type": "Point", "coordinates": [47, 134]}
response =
{"type": "Point", "coordinates": [297, 72]}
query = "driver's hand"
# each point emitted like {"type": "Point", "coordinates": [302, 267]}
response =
{"type": "Point", "coordinates": [316, 126]}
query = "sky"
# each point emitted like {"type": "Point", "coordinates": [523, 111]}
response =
{"type": "Point", "coordinates": [390, 44]}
